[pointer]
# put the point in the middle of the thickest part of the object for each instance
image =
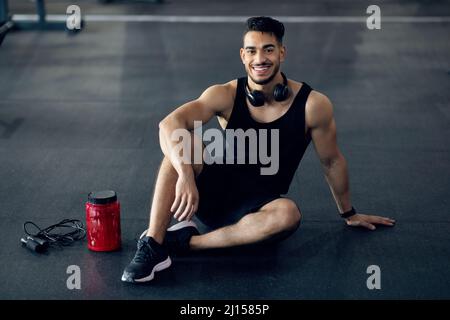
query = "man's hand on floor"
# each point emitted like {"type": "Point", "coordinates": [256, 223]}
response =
{"type": "Point", "coordinates": [368, 221]}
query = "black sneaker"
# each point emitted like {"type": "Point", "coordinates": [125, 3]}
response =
{"type": "Point", "coordinates": [149, 258]}
{"type": "Point", "coordinates": [178, 237]}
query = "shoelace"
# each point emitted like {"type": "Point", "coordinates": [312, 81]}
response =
{"type": "Point", "coordinates": [144, 252]}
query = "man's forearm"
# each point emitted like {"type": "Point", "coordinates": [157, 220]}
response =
{"type": "Point", "coordinates": [336, 174]}
{"type": "Point", "coordinates": [168, 148]}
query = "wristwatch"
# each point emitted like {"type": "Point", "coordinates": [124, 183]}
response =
{"type": "Point", "coordinates": [348, 214]}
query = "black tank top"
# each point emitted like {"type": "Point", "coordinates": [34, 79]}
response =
{"type": "Point", "coordinates": [292, 144]}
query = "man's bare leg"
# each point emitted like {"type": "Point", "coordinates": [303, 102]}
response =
{"type": "Point", "coordinates": [163, 197]}
{"type": "Point", "coordinates": [278, 216]}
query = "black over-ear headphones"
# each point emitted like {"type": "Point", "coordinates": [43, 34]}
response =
{"type": "Point", "coordinates": [257, 98]}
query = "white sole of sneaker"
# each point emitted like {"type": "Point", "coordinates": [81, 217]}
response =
{"type": "Point", "coordinates": [159, 267]}
{"type": "Point", "coordinates": [183, 224]}
{"type": "Point", "coordinates": [177, 226]}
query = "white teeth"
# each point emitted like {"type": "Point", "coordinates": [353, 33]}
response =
{"type": "Point", "coordinates": [260, 68]}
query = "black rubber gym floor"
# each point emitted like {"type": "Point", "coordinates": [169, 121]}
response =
{"type": "Point", "coordinates": [80, 113]}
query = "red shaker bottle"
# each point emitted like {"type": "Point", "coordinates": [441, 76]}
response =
{"type": "Point", "coordinates": [103, 221]}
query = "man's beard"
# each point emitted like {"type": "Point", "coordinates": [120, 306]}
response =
{"type": "Point", "coordinates": [266, 81]}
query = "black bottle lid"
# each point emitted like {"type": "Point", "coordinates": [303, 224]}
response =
{"type": "Point", "coordinates": [102, 197]}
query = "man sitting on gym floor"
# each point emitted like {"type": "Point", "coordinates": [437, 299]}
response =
{"type": "Point", "coordinates": [239, 204]}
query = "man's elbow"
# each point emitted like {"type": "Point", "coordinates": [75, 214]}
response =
{"type": "Point", "coordinates": [170, 121]}
{"type": "Point", "coordinates": [162, 124]}
{"type": "Point", "coordinates": [164, 130]}
{"type": "Point", "coordinates": [175, 120]}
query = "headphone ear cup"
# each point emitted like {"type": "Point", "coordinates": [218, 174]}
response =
{"type": "Point", "coordinates": [256, 98]}
{"type": "Point", "coordinates": [281, 92]}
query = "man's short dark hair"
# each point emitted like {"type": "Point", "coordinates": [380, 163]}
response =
{"type": "Point", "coordinates": [266, 24]}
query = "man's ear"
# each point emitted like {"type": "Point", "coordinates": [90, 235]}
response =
{"type": "Point", "coordinates": [242, 54]}
{"type": "Point", "coordinates": [282, 53]}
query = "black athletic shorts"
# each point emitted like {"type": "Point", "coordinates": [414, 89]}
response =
{"type": "Point", "coordinates": [226, 195]}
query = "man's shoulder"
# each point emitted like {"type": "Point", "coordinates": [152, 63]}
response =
{"type": "Point", "coordinates": [231, 85]}
{"type": "Point", "coordinates": [318, 98]}
{"type": "Point", "coordinates": [224, 88]}
{"type": "Point", "coordinates": [219, 97]}
{"type": "Point", "coordinates": [318, 109]}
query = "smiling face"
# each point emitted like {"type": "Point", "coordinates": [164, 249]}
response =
{"type": "Point", "coordinates": [262, 55]}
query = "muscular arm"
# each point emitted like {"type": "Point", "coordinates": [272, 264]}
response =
{"type": "Point", "coordinates": [215, 99]}
{"type": "Point", "coordinates": [320, 119]}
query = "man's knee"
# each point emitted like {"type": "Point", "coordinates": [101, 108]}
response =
{"type": "Point", "coordinates": [286, 215]}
